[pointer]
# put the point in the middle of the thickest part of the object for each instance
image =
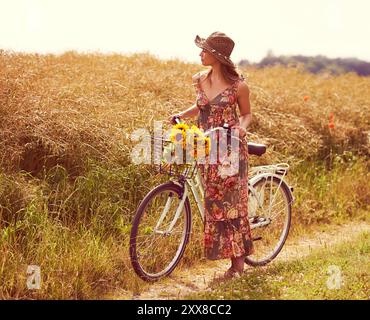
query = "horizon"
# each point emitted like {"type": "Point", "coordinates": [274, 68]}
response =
{"type": "Point", "coordinates": [116, 27]}
{"type": "Point", "coordinates": [167, 58]}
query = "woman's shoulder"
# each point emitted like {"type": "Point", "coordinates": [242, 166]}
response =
{"type": "Point", "coordinates": [242, 85]}
{"type": "Point", "coordinates": [199, 76]}
{"type": "Point", "coordinates": [241, 78]}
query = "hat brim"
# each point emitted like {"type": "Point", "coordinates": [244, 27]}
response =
{"type": "Point", "coordinates": [202, 43]}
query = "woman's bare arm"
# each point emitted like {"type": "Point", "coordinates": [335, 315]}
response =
{"type": "Point", "coordinates": [191, 112]}
{"type": "Point", "coordinates": [188, 113]}
{"type": "Point", "coordinates": [244, 107]}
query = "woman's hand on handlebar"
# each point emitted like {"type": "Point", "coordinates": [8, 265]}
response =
{"type": "Point", "coordinates": [171, 118]}
{"type": "Point", "coordinates": [242, 132]}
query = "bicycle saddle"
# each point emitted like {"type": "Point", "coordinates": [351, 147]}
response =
{"type": "Point", "coordinates": [256, 149]}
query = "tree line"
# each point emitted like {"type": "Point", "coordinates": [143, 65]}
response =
{"type": "Point", "coordinates": [316, 64]}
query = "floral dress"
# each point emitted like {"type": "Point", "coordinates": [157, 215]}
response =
{"type": "Point", "coordinates": [226, 232]}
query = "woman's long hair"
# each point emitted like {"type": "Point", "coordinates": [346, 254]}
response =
{"type": "Point", "coordinates": [231, 74]}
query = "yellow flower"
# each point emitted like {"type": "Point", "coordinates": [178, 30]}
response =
{"type": "Point", "coordinates": [207, 145]}
{"type": "Point", "coordinates": [197, 132]}
{"type": "Point", "coordinates": [206, 141]}
{"type": "Point", "coordinates": [181, 126]}
{"type": "Point", "coordinates": [189, 138]}
{"type": "Point", "coordinates": [177, 136]}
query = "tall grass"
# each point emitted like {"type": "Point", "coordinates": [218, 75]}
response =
{"type": "Point", "coordinates": [324, 196]}
{"type": "Point", "coordinates": [68, 188]}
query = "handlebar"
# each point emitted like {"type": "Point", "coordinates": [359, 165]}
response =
{"type": "Point", "coordinates": [177, 119]}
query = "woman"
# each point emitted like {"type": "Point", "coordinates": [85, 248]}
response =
{"type": "Point", "coordinates": [219, 91]}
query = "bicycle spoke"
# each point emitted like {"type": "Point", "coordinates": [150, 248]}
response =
{"type": "Point", "coordinates": [277, 213]}
{"type": "Point", "coordinates": [274, 208]}
{"type": "Point", "coordinates": [156, 245]}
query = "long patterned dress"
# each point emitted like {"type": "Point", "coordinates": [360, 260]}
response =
{"type": "Point", "coordinates": [227, 232]}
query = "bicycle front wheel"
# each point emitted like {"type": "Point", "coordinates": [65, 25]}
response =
{"type": "Point", "coordinates": [159, 236]}
{"type": "Point", "coordinates": [270, 209]}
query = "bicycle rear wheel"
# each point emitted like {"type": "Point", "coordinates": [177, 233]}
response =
{"type": "Point", "coordinates": [155, 250]}
{"type": "Point", "coordinates": [270, 218]}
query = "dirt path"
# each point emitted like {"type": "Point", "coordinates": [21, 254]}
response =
{"type": "Point", "coordinates": [198, 278]}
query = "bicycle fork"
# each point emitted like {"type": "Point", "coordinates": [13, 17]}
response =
{"type": "Point", "coordinates": [167, 208]}
{"type": "Point", "coordinates": [196, 188]}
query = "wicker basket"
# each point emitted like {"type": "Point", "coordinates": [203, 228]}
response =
{"type": "Point", "coordinates": [163, 152]}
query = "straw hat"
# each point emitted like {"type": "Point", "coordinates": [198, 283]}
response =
{"type": "Point", "coordinates": [219, 45]}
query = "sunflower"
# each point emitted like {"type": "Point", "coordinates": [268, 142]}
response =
{"type": "Point", "coordinates": [177, 136]}
{"type": "Point", "coordinates": [206, 141]}
{"type": "Point", "coordinates": [201, 147]}
{"type": "Point", "coordinates": [197, 132]}
{"type": "Point", "coordinates": [207, 144]}
{"type": "Point", "coordinates": [181, 126]}
{"type": "Point", "coordinates": [178, 133]}
{"type": "Point", "coordinates": [189, 138]}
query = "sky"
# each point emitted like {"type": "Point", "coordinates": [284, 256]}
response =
{"type": "Point", "coordinates": [167, 28]}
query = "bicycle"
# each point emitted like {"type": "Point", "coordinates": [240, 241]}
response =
{"type": "Point", "coordinates": [162, 224]}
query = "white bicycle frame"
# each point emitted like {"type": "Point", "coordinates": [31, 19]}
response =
{"type": "Point", "coordinates": [196, 188]}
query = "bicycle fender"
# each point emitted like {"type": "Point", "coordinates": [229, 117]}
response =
{"type": "Point", "coordinates": [253, 180]}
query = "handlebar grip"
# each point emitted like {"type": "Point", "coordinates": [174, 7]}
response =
{"type": "Point", "coordinates": [226, 126]}
{"type": "Point", "coordinates": [175, 120]}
